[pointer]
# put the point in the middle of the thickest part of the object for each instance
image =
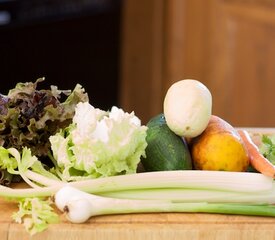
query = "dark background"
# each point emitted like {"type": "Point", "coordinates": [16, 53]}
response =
{"type": "Point", "coordinates": [67, 42]}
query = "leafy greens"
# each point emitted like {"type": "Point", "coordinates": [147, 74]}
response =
{"type": "Point", "coordinates": [28, 116]}
{"type": "Point", "coordinates": [99, 144]}
{"type": "Point", "coordinates": [267, 148]}
{"type": "Point", "coordinates": [81, 141]}
{"type": "Point", "coordinates": [36, 214]}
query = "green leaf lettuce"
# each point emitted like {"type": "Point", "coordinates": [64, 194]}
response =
{"type": "Point", "coordinates": [99, 143]}
{"type": "Point", "coordinates": [36, 214]}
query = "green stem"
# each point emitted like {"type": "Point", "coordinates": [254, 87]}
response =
{"type": "Point", "coordinates": [193, 179]}
{"type": "Point", "coordinates": [201, 207]}
{"type": "Point", "coordinates": [45, 181]}
{"type": "Point", "coordinates": [28, 192]}
{"type": "Point", "coordinates": [194, 195]}
{"type": "Point", "coordinates": [207, 180]}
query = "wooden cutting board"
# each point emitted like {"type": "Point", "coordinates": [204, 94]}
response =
{"type": "Point", "coordinates": [157, 226]}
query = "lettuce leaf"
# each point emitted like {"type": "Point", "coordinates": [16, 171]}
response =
{"type": "Point", "coordinates": [267, 148]}
{"type": "Point", "coordinates": [36, 214]}
{"type": "Point", "coordinates": [99, 143]}
{"type": "Point", "coordinates": [28, 116]}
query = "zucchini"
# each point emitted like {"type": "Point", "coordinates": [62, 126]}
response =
{"type": "Point", "coordinates": [165, 150]}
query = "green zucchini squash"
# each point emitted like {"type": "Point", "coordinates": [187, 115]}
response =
{"type": "Point", "coordinates": [165, 150]}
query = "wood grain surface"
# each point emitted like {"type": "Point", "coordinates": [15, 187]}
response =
{"type": "Point", "coordinates": [146, 226]}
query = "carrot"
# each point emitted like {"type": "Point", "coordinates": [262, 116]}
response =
{"type": "Point", "coordinates": [257, 160]}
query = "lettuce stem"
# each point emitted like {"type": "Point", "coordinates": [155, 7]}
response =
{"type": "Point", "coordinates": [235, 182]}
{"type": "Point", "coordinates": [28, 192]}
{"type": "Point", "coordinates": [42, 180]}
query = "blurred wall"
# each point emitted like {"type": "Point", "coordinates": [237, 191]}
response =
{"type": "Point", "coordinates": [67, 42]}
{"type": "Point", "coordinates": [228, 45]}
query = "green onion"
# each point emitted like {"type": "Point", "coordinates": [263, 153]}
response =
{"type": "Point", "coordinates": [194, 195]}
{"type": "Point", "coordinates": [80, 206]}
{"type": "Point", "coordinates": [169, 191]}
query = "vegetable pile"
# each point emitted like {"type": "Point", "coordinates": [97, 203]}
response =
{"type": "Point", "coordinates": [85, 160]}
{"type": "Point", "coordinates": [28, 117]}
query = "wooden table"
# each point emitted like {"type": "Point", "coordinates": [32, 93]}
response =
{"type": "Point", "coordinates": [146, 226]}
{"type": "Point", "coordinates": [160, 226]}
